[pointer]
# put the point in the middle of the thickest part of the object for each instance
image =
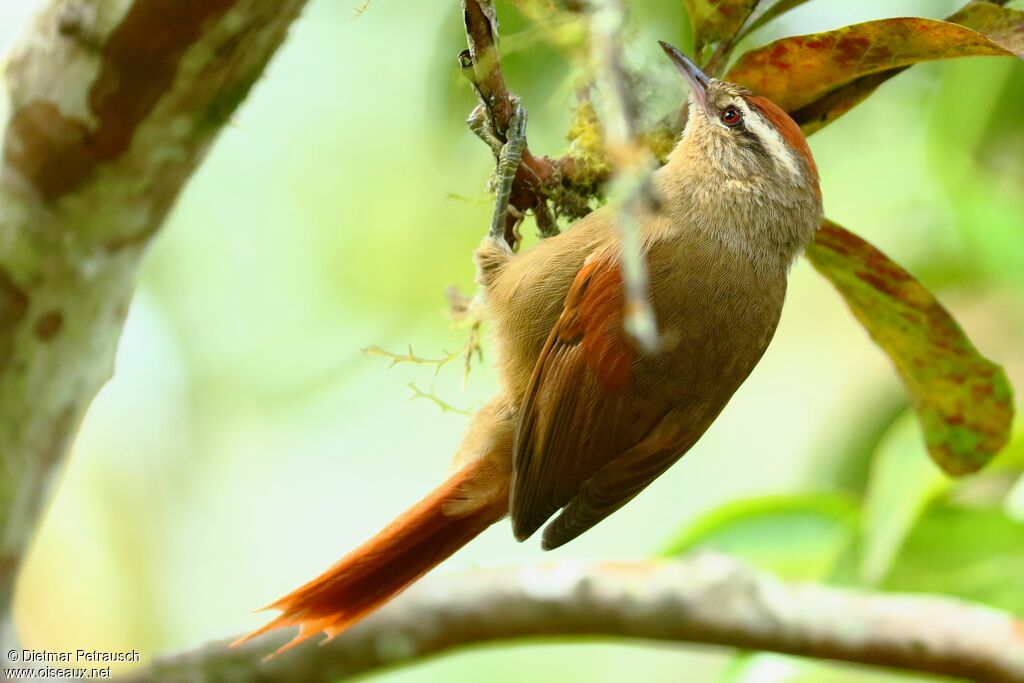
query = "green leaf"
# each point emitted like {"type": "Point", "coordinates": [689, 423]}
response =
{"type": "Point", "coordinates": [778, 9]}
{"type": "Point", "coordinates": [962, 399]}
{"type": "Point", "coordinates": [800, 536]}
{"type": "Point", "coordinates": [903, 481]}
{"type": "Point", "coordinates": [820, 76]}
{"type": "Point", "coordinates": [972, 553]}
{"type": "Point", "coordinates": [715, 21]}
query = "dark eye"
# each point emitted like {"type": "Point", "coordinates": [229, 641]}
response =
{"type": "Point", "coordinates": [731, 117]}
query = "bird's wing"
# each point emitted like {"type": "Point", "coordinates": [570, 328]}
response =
{"type": "Point", "coordinates": [599, 421]}
{"type": "Point", "coordinates": [579, 411]}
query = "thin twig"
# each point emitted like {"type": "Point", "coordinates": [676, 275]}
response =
{"type": "Point", "coordinates": [435, 399]}
{"type": "Point", "coordinates": [707, 598]}
{"type": "Point", "coordinates": [466, 352]}
{"type": "Point", "coordinates": [411, 357]}
{"type": "Point", "coordinates": [632, 190]}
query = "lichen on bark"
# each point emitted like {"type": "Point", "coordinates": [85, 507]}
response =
{"type": "Point", "coordinates": [110, 106]}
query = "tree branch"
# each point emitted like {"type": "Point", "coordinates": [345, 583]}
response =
{"type": "Point", "coordinates": [111, 107]}
{"type": "Point", "coordinates": [707, 598]}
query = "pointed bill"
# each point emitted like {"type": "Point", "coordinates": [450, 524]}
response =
{"type": "Point", "coordinates": [693, 74]}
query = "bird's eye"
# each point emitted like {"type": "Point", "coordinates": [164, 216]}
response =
{"type": "Point", "coordinates": [731, 117]}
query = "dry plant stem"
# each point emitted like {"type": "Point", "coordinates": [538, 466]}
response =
{"type": "Point", "coordinates": [631, 188]}
{"type": "Point", "coordinates": [103, 130]}
{"type": "Point", "coordinates": [708, 599]}
{"type": "Point", "coordinates": [481, 63]}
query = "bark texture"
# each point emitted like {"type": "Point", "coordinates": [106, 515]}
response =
{"type": "Point", "coordinates": [707, 598]}
{"type": "Point", "coordinates": [110, 106]}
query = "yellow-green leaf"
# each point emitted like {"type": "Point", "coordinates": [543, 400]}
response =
{"type": "Point", "coordinates": [903, 482]}
{"type": "Point", "coordinates": [1001, 25]}
{"type": "Point", "coordinates": [818, 77]}
{"type": "Point", "coordinates": [962, 399]}
{"type": "Point", "coordinates": [717, 20]}
{"type": "Point", "coordinates": [797, 536]}
{"type": "Point", "coordinates": [969, 552]}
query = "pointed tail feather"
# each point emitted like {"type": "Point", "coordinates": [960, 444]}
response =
{"type": "Point", "coordinates": [421, 538]}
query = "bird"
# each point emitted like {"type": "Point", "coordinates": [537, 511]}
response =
{"type": "Point", "coordinates": [585, 417]}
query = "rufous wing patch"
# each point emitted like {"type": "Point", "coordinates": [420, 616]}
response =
{"type": "Point", "coordinates": [594, 314]}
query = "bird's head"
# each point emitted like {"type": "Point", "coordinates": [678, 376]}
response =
{"type": "Point", "coordinates": [742, 137]}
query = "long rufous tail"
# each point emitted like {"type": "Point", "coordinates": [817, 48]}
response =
{"type": "Point", "coordinates": [421, 538]}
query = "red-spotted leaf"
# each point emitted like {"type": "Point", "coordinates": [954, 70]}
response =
{"type": "Point", "coordinates": [1001, 25]}
{"type": "Point", "coordinates": [715, 21]}
{"type": "Point", "coordinates": [962, 400]}
{"type": "Point", "coordinates": [820, 76]}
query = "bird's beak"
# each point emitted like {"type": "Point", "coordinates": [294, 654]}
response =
{"type": "Point", "coordinates": [697, 79]}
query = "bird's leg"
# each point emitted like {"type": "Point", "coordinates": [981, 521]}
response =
{"type": "Point", "coordinates": [509, 157]}
{"type": "Point", "coordinates": [502, 240]}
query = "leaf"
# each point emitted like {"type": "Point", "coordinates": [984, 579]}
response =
{"type": "Point", "coordinates": [962, 399]}
{"type": "Point", "coordinates": [799, 536]}
{"type": "Point", "coordinates": [820, 76]}
{"type": "Point", "coordinates": [778, 9]}
{"type": "Point", "coordinates": [1001, 25]}
{"type": "Point", "coordinates": [715, 21]}
{"type": "Point", "coordinates": [972, 553]}
{"type": "Point", "coordinates": [797, 70]}
{"type": "Point", "coordinates": [903, 481]}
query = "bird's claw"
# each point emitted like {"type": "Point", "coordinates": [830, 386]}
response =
{"type": "Point", "coordinates": [508, 154]}
{"type": "Point", "coordinates": [509, 157]}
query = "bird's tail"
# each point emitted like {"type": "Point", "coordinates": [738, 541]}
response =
{"type": "Point", "coordinates": [421, 538]}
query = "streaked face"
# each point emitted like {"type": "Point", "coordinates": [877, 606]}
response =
{"type": "Point", "coordinates": [744, 135]}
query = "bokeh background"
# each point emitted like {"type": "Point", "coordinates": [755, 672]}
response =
{"type": "Point", "coordinates": [245, 442]}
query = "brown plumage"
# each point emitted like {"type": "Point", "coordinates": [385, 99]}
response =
{"type": "Point", "coordinates": [585, 419]}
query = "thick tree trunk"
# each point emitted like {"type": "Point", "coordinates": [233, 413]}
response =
{"type": "Point", "coordinates": [111, 106]}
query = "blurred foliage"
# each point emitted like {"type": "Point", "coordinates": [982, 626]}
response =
{"type": "Point", "coordinates": [973, 553]}
{"type": "Point", "coordinates": [903, 482]}
{"type": "Point", "coordinates": [800, 536]}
